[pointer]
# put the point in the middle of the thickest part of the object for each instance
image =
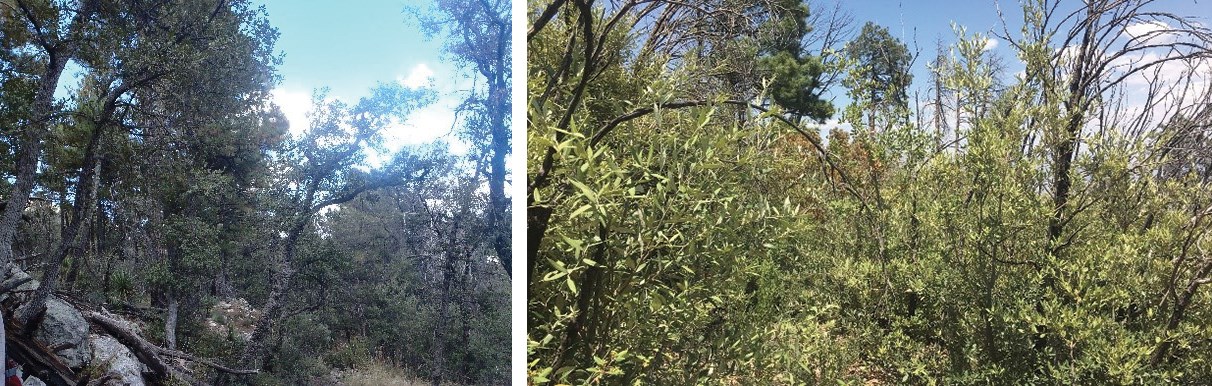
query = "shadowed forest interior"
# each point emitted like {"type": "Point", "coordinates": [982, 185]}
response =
{"type": "Point", "coordinates": [162, 221]}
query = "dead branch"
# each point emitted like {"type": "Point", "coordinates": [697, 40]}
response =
{"type": "Point", "coordinates": [212, 364]}
{"type": "Point", "coordinates": [35, 356]}
{"type": "Point", "coordinates": [153, 355]}
{"type": "Point", "coordinates": [144, 350]}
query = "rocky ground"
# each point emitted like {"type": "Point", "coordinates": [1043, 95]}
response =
{"type": "Point", "coordinates": [74, 342]}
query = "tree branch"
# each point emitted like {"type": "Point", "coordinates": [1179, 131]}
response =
{"type": "Point", "coordinates": [382, 183]}
{"type": "Point", "coordinates": [822, 152]}
{"type": "Point", "coordinates": [543, 18]}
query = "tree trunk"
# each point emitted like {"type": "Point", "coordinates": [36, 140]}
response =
{"type": "Point", "coordinates": [1083, 72]}
{"type": "Point", "coordinates": [3, 338]}
{"type": "Point", "coordinates": [871, 120]}
{"type": "Point", "coordinates": [86, 189]}
{"type": "Point", "coordinates": [1176, 315]}
{"type": "Point", "coordinates": [578, 337]}
{"type": "Point", "coordinates": [254, 352]}
{"type": "Point", "coordinates": [30, 150]}
{"type": "Point", "coordinates": [30, 142]}
{"type": "Point", "coordinates": [221, 286]}
{"type": "Point", "coordinates": [469, 311]}
{"type": "Point", "coordinates": [170, 323]}
{"type": "Point", "coordinates": [939, 114]}
{"type": "Point", "coordinates": [96, 236]}
{"type": "Point", "coordinates": [439, 345]}
{"type": "Point", "coordinates": [499, 204]}
{"type": "Point", "coordinates": [498, 92]}
{"type": "Point", "coordinates": [958, 117]}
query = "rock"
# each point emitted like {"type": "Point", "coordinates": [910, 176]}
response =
{"type": "Point", "coordinates": [65, 327]}
{"type": "Point", "coordinates": [32, 381]}
{"type": "Point", "coordinates": [117, 359]}
{"type": "Point", "coordinates": [234, 318]}
{"type": "Point", "coordinates": [15, 273]}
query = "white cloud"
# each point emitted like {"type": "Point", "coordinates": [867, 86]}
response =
{"type": "Point", "coordinates": [428, 124]}
{"type": "Point", "coordinates": [1150, 31]}
{"type": "Point", "coordinates": [990, 44]}
{"type": "Point", "coordinates": [420, 76]}
{"type": "Point", "coordinates": [295, 105]}
{"type": "Point", "coordinates": [424, 125]}
{"type": "Point", "coordinates": [1180, 82]}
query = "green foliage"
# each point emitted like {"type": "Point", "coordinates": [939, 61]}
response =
{"type": "Point", "coordinates": [295, 363]}
{"type": "Point", "coordinates": [204, 198]}
{"type": "Point", "coordinates": [352, 354]}
{"type": "Point", "coordinates": [880, 78]}
{"type": "Point", "coordinates": [796, 85]}
{"type": "Point", "coordinates": [794, 74]}
{"type": "Point", "coordinates": [644, 274]}
{"type": "Point", "coordinates": [698, 245]}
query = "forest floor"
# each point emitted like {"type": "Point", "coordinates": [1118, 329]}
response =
{"type": "Point", "coordinates": [378, 374]}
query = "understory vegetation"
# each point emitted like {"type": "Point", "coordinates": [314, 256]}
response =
{"type": "Point", "coordinates": [692, 219]}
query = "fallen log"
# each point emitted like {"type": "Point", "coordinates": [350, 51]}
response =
{"type": "Point", "coordinates": [153, 355]}
{"type": "Point", "coordinates": [212, 364]}
{"type": "Point", "coordinates": [143, 349]}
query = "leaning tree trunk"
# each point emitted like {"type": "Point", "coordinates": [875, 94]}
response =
{"type": "Point", "coordinates": [30, 150]}
{"type": "Point", "coordinates": [254, 352]}
{"type": "Point", "coordinates": [86, 189]}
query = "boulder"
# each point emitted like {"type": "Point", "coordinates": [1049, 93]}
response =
{"type": "Point", "coordinates": [65, 328]}
{"type": "Point", "coordinates": [32, 381]}
{"type": "Point", "coordinates": [16, 273]}
{"type": "Point", "coordinates": [117, 359]}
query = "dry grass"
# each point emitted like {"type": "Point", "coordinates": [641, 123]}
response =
{"type": "Point", "coordinates": [378, 374]}
{"type": "Point", "coordinates": [234, 317]}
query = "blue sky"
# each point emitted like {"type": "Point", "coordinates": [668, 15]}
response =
{"type": "Point", "coordinates": [350, 46]}
{"type": "Point", "coordinates": [925, 22]}
{"type": "Point", "coordinates": [928, 20]}
{"type": "Point", "coordinates": [921, 24]}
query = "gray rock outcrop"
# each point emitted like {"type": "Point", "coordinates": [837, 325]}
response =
{"type": "Point", "coordinates": [64, 330]}
{"type": "Point", "coordinates": [118, 359]}
{"type": "Point", "coordinates": [15, 273]}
